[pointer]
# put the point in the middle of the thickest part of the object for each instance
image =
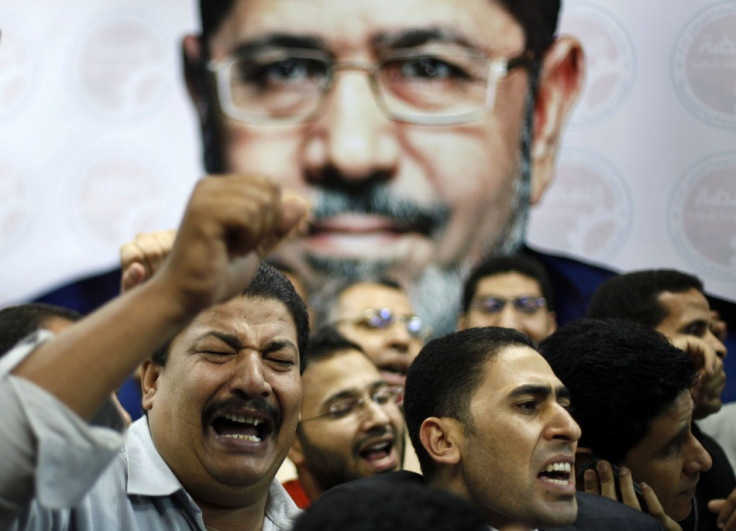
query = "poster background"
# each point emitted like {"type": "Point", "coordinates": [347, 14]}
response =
{"type": "Point", "coordinates": [98, 140]}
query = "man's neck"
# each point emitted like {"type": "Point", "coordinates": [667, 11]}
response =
{"type": "Point", "coordinates": [309, 484]}
{"type": "Point", "coordinates": [495, 520]}
{"type": "Point", "coordinates": [246, 518]}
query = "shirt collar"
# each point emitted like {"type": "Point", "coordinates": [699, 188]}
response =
{"type": "Point", "coordinates": [148, 473]}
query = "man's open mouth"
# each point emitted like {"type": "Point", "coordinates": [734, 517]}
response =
{"type": "Point", "coordinates": [379, 453]}
{"type": "Point", "coordinates": [242, 427]}
{"type": "Point", "coordinates": [394, 368]}
{"type": "Point", "coordinates": [558, 473]}
{"type": "Point", "coordinates": [394, 375]}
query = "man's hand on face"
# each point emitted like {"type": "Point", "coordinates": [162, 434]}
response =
{"type": "Point", "coordinates": [711, 375]}
{"type": "Point", "coordinates": [229, 224]}
{"type": "Point", "coordinates": [602, 481]}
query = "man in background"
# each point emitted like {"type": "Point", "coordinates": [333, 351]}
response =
{"type": "Point", "coordinates": [350, 425]}
{"type": "Point", "coordinates": [378, 315]}
{"type": "Point", "coordinates": [19, 321]}
{"type": "Point", "coordinates": [673, 303]}
{"type": "Point", "coordinates": [631, 388]}
{"type": "Point", "coordinates": [512, 292]}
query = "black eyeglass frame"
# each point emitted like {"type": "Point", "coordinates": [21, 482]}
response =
{"type": "Point", "coordinates": [358, 404]}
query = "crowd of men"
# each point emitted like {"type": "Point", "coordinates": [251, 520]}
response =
{"type": "Point", "coordinates": [348, 316]}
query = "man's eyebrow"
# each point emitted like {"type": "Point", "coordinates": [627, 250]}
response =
{"type": "Point", "coordinates": [378, 384]}
{"type": "Point", "coordinates": [563, 392]}
{"type": "Point", "coordinates": [345, 393]}
{"type": "Point", "coordinates": [531, 389]}
{"type": "Point", "coordinates": [418, 37]}
{"type": "Point", "coordinates": [276, 345]}
{"type": "Point", "coordinates": [542, 391]}
{"type": "Point", "coordinates": [234, 343]}
{"type": "Point", "coordinates": [279, 40]}
{"type": "Point", "coordinates": [229, 339]}
{"type": "Point", "coordinates": [354, 391]}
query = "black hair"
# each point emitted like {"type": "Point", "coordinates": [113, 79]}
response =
{"type": "Point", "coordinates": [635, 296]}
{"type": "Point", "coordinates": [326, 342]}
{"type": "Point", "coordinates": [443, 378]}
{"type": "Point", "coordinates": [375, 506]}
{"type": "Point", "coordinates": [269, 284]}
{"type": "Point", "coordinates": [621, 375]}
{"type": "Point", "coordinates": [538, 18]}
{"type": "Point", "coordinates": [16, 322]}
{"type": "Point", "coordinates": [518, 263]}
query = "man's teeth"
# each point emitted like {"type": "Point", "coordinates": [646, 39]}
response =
{"type": "Point", "coordinates": [242, 419]}
{"type": "Point", "coordinates": [245, 420]}
{"type": "Point", "coordinates": [559, 467]}
{"type": "Point", "coordinates": [251, 438]}
{"type": "Point", "coordinates": [561, 471]}
{"type": "Point", "coordinates": [378, 446]}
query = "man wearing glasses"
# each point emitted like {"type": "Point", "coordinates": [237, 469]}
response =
{"type": "Point", "coordinates": [421, 132]}
{"type": "Point", "coordinates": [408, 126]}
{"type": "Point", "coordinates": [512, 292]}
{"type": "Point", "coordinates": [378, 316]}
{"type": "Point", "coordinates": [351, 426]}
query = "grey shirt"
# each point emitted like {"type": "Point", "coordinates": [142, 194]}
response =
{"type": "Point", "coordinates": [47, 452]}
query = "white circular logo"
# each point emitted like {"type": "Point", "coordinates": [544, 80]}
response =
{"type": "Point", "coordinates": [120, 67]}
{"type": "Point", "coordinates": [18, 68]}
{"type": "Point", "coordinates": [587, 211]}
{"type": "Point", "coordinates": [611, 64]}
{"type": "Point", "coordinates": [704, 65]}
{"type": "Point", "coordinates": [702, 215]}
{"type": "Point", "coordinates": [118, 197]}
{"type": "Point", "coordinates": [15, 205]}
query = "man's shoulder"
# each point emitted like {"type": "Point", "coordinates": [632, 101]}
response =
{"type": "Point", "coordinates": [597, 513]}
{"type": "Point", "coordinates": [398, 477]}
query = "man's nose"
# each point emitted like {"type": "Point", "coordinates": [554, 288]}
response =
{"type": "Point", "coordinates": [353, 136]}
{"type": "Point", "coordinates": [562, 425]}
{"type": "Point", "coordinates": [374, 415]}
{"type": "Point", "coordinates": [509, 318]}
{"type": "Point", "coordinates": [698, 459]}
{"type": "Point", "coordinates": [249, 375]}
{"type": "Point", "coordinates": [716, 343]}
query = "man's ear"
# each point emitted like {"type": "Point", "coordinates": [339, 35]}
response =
{"type": "Point", "coordinates": [560, 82]}
{"type": "Point", "coordinates": [439, 438]}
{"type": "Point", "coordinates": [194, 74]}
{"type": "Point", "coordinates": [296, 454]}
{"type": "Point", "coordinates": [150, 373]}
{"type": "Point", "coordinates": [461, 324]}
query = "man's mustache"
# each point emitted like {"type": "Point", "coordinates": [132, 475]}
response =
{"type": "Point", "coordinates": [376, 199]}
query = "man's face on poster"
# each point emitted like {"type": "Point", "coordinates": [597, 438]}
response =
{"type": "Point", "coordinates": [390, 195]}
